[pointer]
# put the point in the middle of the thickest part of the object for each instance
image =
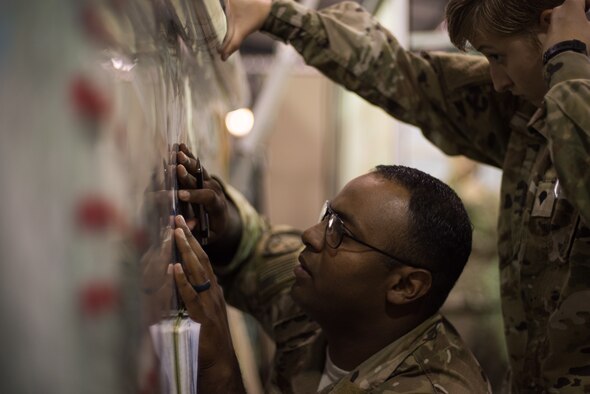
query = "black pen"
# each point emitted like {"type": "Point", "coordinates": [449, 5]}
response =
{"type": "Point", "coordinates": [203, 216]}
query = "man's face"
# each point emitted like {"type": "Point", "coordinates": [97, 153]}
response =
{"type": "Point", "coordinates": [515, 65]}
{"type": "Point", "coordinates": [349, 282]}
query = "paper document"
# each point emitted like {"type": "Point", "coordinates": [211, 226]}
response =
{"type": "Point", "coordinates": [176, 341]}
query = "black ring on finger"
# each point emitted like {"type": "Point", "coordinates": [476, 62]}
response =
{"type": "Point", "coordinates": [202, 287]}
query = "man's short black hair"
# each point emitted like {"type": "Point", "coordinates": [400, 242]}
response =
{"type": "Point", "coordinates": [440, 232]}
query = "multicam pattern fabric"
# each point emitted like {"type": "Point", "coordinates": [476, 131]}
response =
{"type": "Point", "coordinates": [432, 358]}
{"type": "Point", "coordinates": [544, 232]}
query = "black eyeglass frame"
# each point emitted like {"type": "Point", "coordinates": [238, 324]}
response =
{"type": "Point", "coordinates": [328, 211]}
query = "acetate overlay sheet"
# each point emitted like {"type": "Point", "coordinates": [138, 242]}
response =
{"type": "Point", "coordinates": [95, 97]}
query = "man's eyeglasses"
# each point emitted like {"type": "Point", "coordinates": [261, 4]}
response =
{"type": "Point", "coordinates": [336, 231]}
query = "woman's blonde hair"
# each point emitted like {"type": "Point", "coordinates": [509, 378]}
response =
{"type": "Point", "coordinates": [468, 18]}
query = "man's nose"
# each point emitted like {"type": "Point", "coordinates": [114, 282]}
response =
{"type": "Point", "coordinates": [500, 79]}
{"type": "Point", "coordinates": [313, 237]}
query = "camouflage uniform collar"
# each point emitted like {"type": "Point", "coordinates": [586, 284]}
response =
{"type": "Point", "coordinates": [381, 365]}
{"type": "Point", "coordinates": [528, 121]}
{"type": "Point", "coordinates": [537, 122]}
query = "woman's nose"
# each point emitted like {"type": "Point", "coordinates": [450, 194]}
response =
{"type": "Point", "coordinates": [500, 79]}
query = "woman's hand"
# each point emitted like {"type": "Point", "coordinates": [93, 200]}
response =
{"type": "Point", "coordinates": [567, 22]}
{"type": "Point", "coordinates": [243, 18]}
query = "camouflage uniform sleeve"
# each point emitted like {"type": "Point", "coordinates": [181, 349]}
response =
{"type": "Point", "coordinates": [567, 104]}
{"type": "Point", "coordinates": [449, 96]}
{"type": "Point", "coordinates": [258, 280]}
{"type": "Point", "coordinates": [253, 226]}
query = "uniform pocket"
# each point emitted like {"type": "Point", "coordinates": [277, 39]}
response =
{"type": "Point", "coordinates": [552, 224]}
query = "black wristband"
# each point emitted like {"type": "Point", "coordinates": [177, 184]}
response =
{"type": "Point", "coordinates": [570, 45]}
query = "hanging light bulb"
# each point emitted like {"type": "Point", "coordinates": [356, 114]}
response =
{"type": "Point", "coordinates": [239, 122]}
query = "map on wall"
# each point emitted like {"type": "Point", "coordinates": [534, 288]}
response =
{"type": "Point", "coordinates": [96, 96]}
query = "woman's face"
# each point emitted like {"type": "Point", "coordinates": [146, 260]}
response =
{"type": "Point", "coordinates": [515, 65]}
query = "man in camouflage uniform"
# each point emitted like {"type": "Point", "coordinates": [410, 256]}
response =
{"type": "Point", "coordinates": [358, 312]}
{"type": "Point", "coordinates": [508, 109]}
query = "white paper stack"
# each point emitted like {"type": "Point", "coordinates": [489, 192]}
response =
{"type": "Point", "coordinates": [176, 341]}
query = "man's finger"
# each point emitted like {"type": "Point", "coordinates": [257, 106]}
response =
{"type": "Point", "coordinates": [193, 243]}
{"type": "Point", "coordinates": [202, 258]}
{"type": "Point", "coordinates": [184, 149]}
{"type": "Point", "coordinates": [194, 270]}
{"type": "Point", "coordinates": [189, 163]}
{"type": "Point", "coordinates": [188, 294]}
{"type": "Point", "coordinates": [197, 197]}
{"type": "Point", "coordinates": [185, 179]}
{"type": "Point", "coordinates": [205, 197]}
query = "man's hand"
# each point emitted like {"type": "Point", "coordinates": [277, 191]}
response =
{"type": "Point", "coordinates": [225, 224]}
{"type": "Point", "coordinates": [224, 220]}
{"type": "Point", "coordinates": [567, 22]}
{"type": "Point", "coordinates": [244, 17]}
{"type": "Point", "coordinates": [218, 366]}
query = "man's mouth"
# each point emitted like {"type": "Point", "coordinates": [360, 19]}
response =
{"type": "Point", "coordinates": [302, 270]}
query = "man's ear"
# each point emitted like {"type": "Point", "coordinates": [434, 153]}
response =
{"type": "Point", "coordinates": [408, 284]}
{"type": "Point", "coordinates": [545, 20]}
